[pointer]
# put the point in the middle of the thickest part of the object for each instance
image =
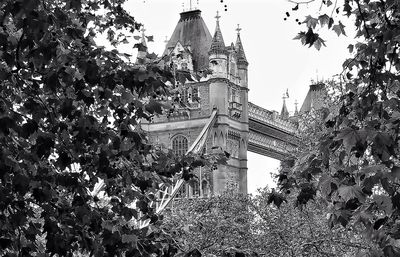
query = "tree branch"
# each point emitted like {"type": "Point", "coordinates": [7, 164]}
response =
{"type": "Point", "coordinates": [363, 18]}
{"type": "Point", "coordinates": [301, 2]}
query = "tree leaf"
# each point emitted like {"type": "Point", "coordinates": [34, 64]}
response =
{"type": "Point", "coordinates": [276, 198]}
{"type": "Point", "coordinates": [347, 193]}
{"type": "Point", "coordinates": [323, 19]}
{"type": "Point", "coordinates": [318, 43]}
{"type": "Point", "coordinates": [339, 29]}
{"type": "Point", "coordinates": [311, 22]}
{"type": "Point", "coordinates": [384, 203]}
{"type": "Point", "coordinates": [131, 239]}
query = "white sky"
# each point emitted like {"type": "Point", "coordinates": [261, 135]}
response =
{"type": "Point", "coordinates": [276, 62]}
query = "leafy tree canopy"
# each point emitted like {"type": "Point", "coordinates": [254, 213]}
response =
{"type": "Point", "coordinates": [355, 163]}
{"type": "Point", "coordinates": [69, 116]}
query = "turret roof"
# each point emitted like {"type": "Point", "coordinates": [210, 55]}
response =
{"type": "Point", "coordinates": [284, 111]}
{"type": "Point", "coordinates": [241, 57]}
{"type": "Point", "coordinates": [314, 99]}
{"type": "Point", "coordinates": [217, 44]}
{"type": "Point", "coordinates": [192, 31]}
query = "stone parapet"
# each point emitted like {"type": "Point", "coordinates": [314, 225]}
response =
{"type": "Point", "coordinates": [271, 118]}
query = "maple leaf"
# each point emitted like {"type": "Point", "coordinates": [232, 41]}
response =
{"type": "Point", "coordinates": [327, 184]}
{"type": "Point", "coordinates": [276, 198]}
{"type": "Point", "coordinates": [150, 38]}
{"type": "Point", "coordinates": [310, 38]}
{"type": "Point", "coordinates": [339, 29]}
{"type": "Point", "coordinates": [318, 43]}
{"type": "Point", "coordinates": [384, 203]}
{"type": "Point", "coordinates": [347, 193]}
{"type": "Point", "coordinates": [347, 8]}
{"type": "Point", "coordinates": [323, 20]}
{"type": "Point", "coordinates": [351, 138]}
{"type": "Point", "coordinates": [311, 22]}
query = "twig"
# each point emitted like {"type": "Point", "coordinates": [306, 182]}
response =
{"type": "Point", "coordinates": [17, 51]}
{"type": "Point", "coordinates": [333, 9]}
{"type": "Point", "coordinates": [303, 2]}
{"type": "Point", "coordinates": [362, 17]}
{"type": "Point", "coordinates": [385, 14]}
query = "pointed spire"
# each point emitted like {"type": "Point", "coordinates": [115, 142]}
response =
{"type": "Point", "coordinates": [296, 111]}
{"type": "Point", "coordinates": [241, 57]}
{"type": "Point", "coordinates": [217, 43]}
{"type": "Point", "coordinates": [284, 111]}
{"type": "Point", "coordinates": [143, 37]}
{"type": "Point", "coordinates": [142, 49]}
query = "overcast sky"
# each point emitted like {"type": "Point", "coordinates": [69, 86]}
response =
{"type": "Point", "coordinates": [276, 61]}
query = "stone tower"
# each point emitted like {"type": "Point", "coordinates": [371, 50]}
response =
{"type": "Point", "coordinates": [223, 86]}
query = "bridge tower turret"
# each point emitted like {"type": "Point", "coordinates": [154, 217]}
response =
{"type": "Point", "coordinates": [218, 97]}
{"type": "Point", "coordinates": [242, 63]}
{"type": "Point", "coordinates": [218, 55]}
{"type": "Point", "coordinates": [242, 66]}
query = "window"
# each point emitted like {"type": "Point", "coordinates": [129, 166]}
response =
{"type": "Point", "coordinates": [235, 96]}
{"type": "Point", "coordinates": [184, 66]}
{"type": "Point", "coordinates": [180, 145]}
{"type": "Point", "coordinates": [182, 191]}
{"type": "Point", "coordinates": [204, 188]}
{"type": "Point", "coordinates": [191, 95]}
{"type": "Point", "coordinates": [195, 187]}
{"type": "Point", "coordinates": [195, 95]}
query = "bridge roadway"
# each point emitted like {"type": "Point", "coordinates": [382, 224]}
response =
{"type": "Point", "coordinates": [269, 134]}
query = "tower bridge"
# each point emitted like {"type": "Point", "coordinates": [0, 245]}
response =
{"type": "Point", "coordinates": [217, 113]}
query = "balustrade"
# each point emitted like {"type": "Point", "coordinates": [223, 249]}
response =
{"type": "Point", "coordinates": [271, 118]}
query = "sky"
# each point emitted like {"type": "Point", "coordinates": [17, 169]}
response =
{"type": "Point", "coordinates": [276, 61]}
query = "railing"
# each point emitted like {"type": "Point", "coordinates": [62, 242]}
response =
{"type": "Point", "coordinates": [271, 118]}
{"type": "Point", "coordinates": [276, 145]}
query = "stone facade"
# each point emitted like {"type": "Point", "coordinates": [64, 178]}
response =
{"type": "Point", "coordinates": [191, 49]}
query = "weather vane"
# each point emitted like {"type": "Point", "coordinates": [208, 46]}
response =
{"type": "Point", "coordinates": [286, 94]}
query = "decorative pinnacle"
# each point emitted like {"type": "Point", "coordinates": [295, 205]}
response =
{"type": "Point", "coordinates": [143, 30]}
{"type": "Point", "coordinates": [166, 40]}
{"type": "Point", "coordinates": [238, 29]}
{"type": "Point", "coordinates": [218, 16]}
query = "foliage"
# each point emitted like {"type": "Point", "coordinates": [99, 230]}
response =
{"type": "Point", "coordinates": [231, 224]}
{"type": "Point", "coordinates": [288, 231]}
{"type": "Point", "coordinates": [356, 161]}
{"type": "Point", "coordinates": [69, 117]}
{"type": "Point", "coordinates": [217, 225]}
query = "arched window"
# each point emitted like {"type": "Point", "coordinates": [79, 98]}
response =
{"type": "Point", "coordinates": [180, 145]}
{"type": "Point", "coordinates": [182, 191]}
{"type": "Point", "coordinates": [195, 185]}
{"type": "Point", "coordinates": [204, 188]}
